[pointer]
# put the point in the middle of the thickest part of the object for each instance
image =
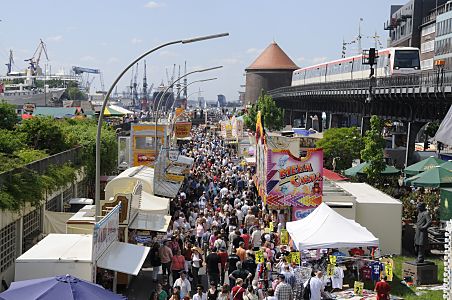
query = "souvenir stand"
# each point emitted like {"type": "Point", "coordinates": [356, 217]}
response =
{"type": "Point", "coordinates": [321, 235]}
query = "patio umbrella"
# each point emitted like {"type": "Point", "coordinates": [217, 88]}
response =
{"type": "Point", "coordinates": [64, 287]}
{"type": "Point", "coordinates": [433, 178]}
{"type": "Point", "coordinates": [110, 111]}
{"type": "Point", "coordinates": [447, 165]}
{"type": "Point", "coordinates": [359, 169]}
{"type": "Point", "coordinates": [423, 165]}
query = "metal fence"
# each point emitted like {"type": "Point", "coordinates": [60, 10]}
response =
{"type": "Point", "coordinates": [40, 166]}
{"type": "Point", "coordinates": [425, 79]}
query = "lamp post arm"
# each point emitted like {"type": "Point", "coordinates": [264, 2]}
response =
{"type": "Point", "coordinates": [101, 116]}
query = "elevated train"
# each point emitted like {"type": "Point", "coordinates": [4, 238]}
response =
{"type": "Point", "coordinates": [391, 62]}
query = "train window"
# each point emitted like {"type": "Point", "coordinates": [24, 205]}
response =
{"type": "Point", "coordinates": [406, 59]}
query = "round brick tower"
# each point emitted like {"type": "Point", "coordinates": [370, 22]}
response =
{"type": "Point", "coordinates": [272, 69]}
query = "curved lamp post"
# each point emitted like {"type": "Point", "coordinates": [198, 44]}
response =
{"type": "Point", "coordinates": [104, 104]}
{"type": "Point", "coordinates": [165, 91]}
{"type": "Point", "coordinates": [196, 81]}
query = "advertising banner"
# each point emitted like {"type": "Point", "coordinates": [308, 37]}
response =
{"type": "Point", "coordinates": [182, 129]}
{"type": "Point", "coordinates": [226, 129]}
{"type": "Point", "coordinates": [294, 181]}
{"type": "Point", "coordinates": [105, 232]}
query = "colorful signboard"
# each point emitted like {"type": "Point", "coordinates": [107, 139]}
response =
{"type": "Point", "coordinates": [294, 181]}
{"type": "Point", "coordinates": [182, 129]}
{"type": "Point", "coordinates": [143, 143]}
{"type": "Point", "coordinates": [106, 232]}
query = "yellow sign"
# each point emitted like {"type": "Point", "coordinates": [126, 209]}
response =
{"type": "Point", "coordinates": [330, 270]}
{"type": "Point", "coordinates": [174, 177]}
{"type": "Point", "coordinates": [259, 256]}
{"type": "Point", "coordinates": [295, 257]}
{"type": "Point", "coordinates": [179, 111]}
{"type": "Point", "coordinates": [182, 129]}
{"type": "Point", "coordinates": [284, 237]}
{"type": "Point", "coordinates": [358, 288]}
{"type": "Point", "coordinates": [267, 230]}
{"type": "Point", "coordinates": [271, 227]}
{"type": "Point", "coordinates": [333, 259]}
{"type": "Point", "coordinates": [144, 143]}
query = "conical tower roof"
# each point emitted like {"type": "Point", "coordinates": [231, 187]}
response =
{"type": "Point", "coordinates": [273, 58]}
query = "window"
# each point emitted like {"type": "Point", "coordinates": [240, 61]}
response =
{"type": "Point", "coordinates": [7, 246]}
{"type": "Point", "coordinates": [428, 46]}
{"type": "Point", "coordinates": [427, 64]}
{"type": "Point", "coordinates": [406, 59]}
{"type": "Point", "coordinates": [429, 29]}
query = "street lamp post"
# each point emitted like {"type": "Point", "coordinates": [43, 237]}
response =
{"type": "Point", "coordinates": [196, 81]}
{"type": "Point", "coordinates": [104, 104]}
{"type": "Point", "coordinates": [164, 92]}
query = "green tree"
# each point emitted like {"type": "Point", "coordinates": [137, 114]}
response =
{"type": "Point", "coordinates": [272, 115]}
{"type": "Point", "coordinates": [344, 144]}
{"type": "Point", "coordinates": [11, 141]}
{"type": "Point", "coordinates": [373, 149]}
{"type": "Point", "coordinates": [8, 116]}
{"type": "Point", "coordinates": [43, 133]}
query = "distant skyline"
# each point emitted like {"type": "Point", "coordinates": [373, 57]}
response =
{"type": "Point", "coordinates": [108, 35]}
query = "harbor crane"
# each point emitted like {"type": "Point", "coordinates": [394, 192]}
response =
{"type": "Point", "coordinates": [82, 70]}
{"type": "Point", "coordinates": [36, 58]}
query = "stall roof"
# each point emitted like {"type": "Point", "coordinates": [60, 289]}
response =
{"type": "Point", "coordinates": [85, 201]}
{"type": "Point", "coordinates": [325, 228]}
{"type": "Point", "coordinates": [60, 248]}
{"type": "Point", "coordinates": [126, 181]}
{"type": "Point", "coordinates": [365, 193]}
{"type": "Point", "coordinates": [85, 215]}
{"type": "Point", "coordinates": [155, 204]}
{"type": "Point", "coordinates": [123, 257]}
{"type": "Point", "coordinates": [149, 221]}
{"type": "Point", "coordinates": [333, 176]}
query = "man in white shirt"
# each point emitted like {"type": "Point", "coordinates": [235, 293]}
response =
{"type": "Point", "coordinates": [256, 239]}
{"type": "Point", "coordinates": [316, 285]}
{"type": "Point", "coordinates": [200, 295]}
{"type": "Point", "coordinates": [184, 284]}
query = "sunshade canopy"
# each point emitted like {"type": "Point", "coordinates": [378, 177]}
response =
{"type": "Point", "coordinates": [325, 228]}
{"type": "Point", "coordinates": [447, 165]}
{"type": "Point", "coordinates": [423, 165]}
{"type": "Point", "coordinates": [124, 257]}
{"type": "Point", "coordinates": [359, 169]}
{"type": "Point", "coordinates": [64, 287]}
{"type": "Point", "coordinates": [433, 178]}
{"type": "Point", "coordinates": [110, 111]}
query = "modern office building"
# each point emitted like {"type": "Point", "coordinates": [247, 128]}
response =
{"type": "Point", "coordinates": [443, 39]}
{"type": "Point", "coordinates": [271, 69]}
{"type": "Point", "coordinates": [405, 23]}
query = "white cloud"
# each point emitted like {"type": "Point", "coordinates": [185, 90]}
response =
{"type": "Point", "coordinates": [153, 4]}
{"type": "Point", "coordinates": [56, 38]}
{"type": "Point", "coordinates": [319, 59]}
{"type": "Point", "coordinates": [300, 59]}
{"type": "Point", "coordinates": [87, 58]}
{"type": "Point", "coordinates": [136, 40]}
{"type": "Point", "coordinates": [112, 60]}
{"type": "Point", "coordinates": [254, 51]}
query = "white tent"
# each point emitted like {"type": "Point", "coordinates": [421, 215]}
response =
{"type": "Point", "coordinates": [444, 133]}
{"type": "Point", "coordinates": [127, 180]}
{"type": "Point", "coordinates": [325, 228]}
{"type": "Point", "coordinates": [121, 109]}
{"type": "Point", "coordinates": [154, 204]}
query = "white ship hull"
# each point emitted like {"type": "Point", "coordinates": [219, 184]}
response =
{"type": "Point", "coordinates": [39, 98]}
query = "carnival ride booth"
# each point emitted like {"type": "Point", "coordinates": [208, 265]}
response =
{"type": "Point", "coordinates": [335, 245]}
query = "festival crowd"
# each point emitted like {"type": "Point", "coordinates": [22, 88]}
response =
{"type": "Point", "coordinates": [218, 225]}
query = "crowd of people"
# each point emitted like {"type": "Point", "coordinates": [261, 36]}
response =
{"type": "Point", "coordinates": [218, 225]}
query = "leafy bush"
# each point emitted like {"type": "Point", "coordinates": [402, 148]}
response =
{"type": "Point", "coordinates": [8, 116]}
{"type": "Point", "coordinates": [11, 141]}
{"type": "Point", "coordinates": [27, 156]}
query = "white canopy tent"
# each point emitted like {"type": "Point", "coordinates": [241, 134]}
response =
{"type": "Point", "coordinates": [444, 133]}
{"type": "Point", "coordinates": [126, 181]}
{"type": "Point", "coordinates": [325, 228]}
{"type": "Point", "coordinates": [154, 204]}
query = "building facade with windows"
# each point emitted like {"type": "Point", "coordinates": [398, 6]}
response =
{"type": "Point", "coordinates": [443, 40]}
{"type": "Point", "coordinates": [428, 34]}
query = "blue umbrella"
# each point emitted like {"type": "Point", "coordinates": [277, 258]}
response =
{"type": "Point", "coordinates": [64, 287]}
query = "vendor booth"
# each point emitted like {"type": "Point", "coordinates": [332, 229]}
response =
{"type": "Point", "coordinates": [325, 228]}
{"type": "Point", "coordinates": [82, 221]}
{"type": "Point", "coordinates": [125, 182]}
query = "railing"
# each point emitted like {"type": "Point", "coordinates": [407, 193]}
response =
{"type": "Point", "coordinates": [426, 79]}
{"type": "Point", "coordinates": [40, 166]}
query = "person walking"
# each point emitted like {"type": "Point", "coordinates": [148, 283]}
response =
{"type": "Point", "coordinates": [212, 292]}
{"type": "Point", "coordinates": [161, 293]}
{"type": "Point", "coordinates": [200, 295]}
{"type": "Point", "coordinates": [184, 285]}
{"type": "Point", "coordinates": [166, 256]}
{"type": "Point", "coordinates": [196, 264]}
{"type": "Point", "coordinates": [250, 294]}
{"type": "Point", "coordinates": [240, 273]}
{"type": "Point", "coordinates": [283, 290]}
{"type": "Point", "coordinates": [224, 294]}
{"type": "Point", "coordinates": [223, 259]}
{"type": "Point", "coordinates": [213, 263]}
{"type": "Point", "coordinates": [177, 265]}
{"type": "Point", "coordinates": [155, 261]}
{"type": "Point", "coordinates": [316, 286]}
{"type": "Point", "coordinates": [238, 291]}
{"type": "Point", "coordinates": [383, 289]}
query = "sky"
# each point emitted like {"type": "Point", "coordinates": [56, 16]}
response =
{"type": "Point", "coordinates": [109, 34]}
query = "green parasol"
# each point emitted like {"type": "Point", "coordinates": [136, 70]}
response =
{"type": "Point", "coordinates": [433, 178]}
{"type": "Point", "coordinates": [423, 165]}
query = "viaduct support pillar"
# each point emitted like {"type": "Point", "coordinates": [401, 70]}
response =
{"type": "Point", "coordinates": [412, 131]}
{"type": "Point", "coordinates": [365, 124]}
{"type": "Point", "coordinates": [308, 120]}
{"type": "Point", "coordinates": [288, 116]}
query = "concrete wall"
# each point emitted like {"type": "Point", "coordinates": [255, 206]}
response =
{"type": "Point", "coordinates": [256, 81]}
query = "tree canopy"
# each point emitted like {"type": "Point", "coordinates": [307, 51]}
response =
{"type": "Point", "coordinates": [8, 116]}
{"type": "Point", "coordinates": [272, 115]}
{"type": "Point", "coordinates": [344, 144]}
{"type": "Point", "coordinates": [373, 149]}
